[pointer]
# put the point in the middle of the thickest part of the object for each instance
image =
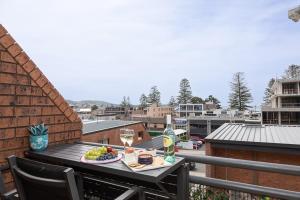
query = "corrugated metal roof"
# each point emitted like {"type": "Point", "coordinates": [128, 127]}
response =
{"type": "Point", "coordinates": [259, 135]}
{"type": "Point", "coordinates": [155, 143]}
{"type": "Point", "coordinates": [96, 126]}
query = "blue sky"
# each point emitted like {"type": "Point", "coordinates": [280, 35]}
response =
{"type": "Point", "coordinates": [107, 49]}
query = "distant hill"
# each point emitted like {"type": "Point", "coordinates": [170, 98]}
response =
{"type": "Point", "coordinates": [91, 102]}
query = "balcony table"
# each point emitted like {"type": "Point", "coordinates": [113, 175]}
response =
{"type": "Point", "coordinates": [70, 154]}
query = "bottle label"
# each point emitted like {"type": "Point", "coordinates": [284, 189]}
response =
{"type": "Point", "coordinates": [167, 141]}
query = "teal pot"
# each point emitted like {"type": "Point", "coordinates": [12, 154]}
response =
{"type": "Point", "coordinates": [38, 142]}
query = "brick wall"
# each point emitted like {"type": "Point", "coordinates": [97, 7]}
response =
{"type": "Point", "coordinates": [114, 135]}
{"type": "Point", "coordinates": [254, 177]}
{"type": "Point", "coordinates": [26, 98]}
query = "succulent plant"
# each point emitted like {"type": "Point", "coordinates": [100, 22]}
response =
{"type": "Point", "coordinates": [39, 129]}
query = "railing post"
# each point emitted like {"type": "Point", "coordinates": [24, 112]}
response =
{"type": "Point", "coordinates": [183, 183]}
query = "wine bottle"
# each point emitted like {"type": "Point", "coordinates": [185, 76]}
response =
{"type": "Point", "coordinates": [169, 142]}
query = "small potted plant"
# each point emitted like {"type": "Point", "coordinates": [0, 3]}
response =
{"type": "Point", "coordinates": [38, 137]}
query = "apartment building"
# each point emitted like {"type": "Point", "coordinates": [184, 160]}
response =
{"type": "Point", "coordinates": [190, 110]}
{"type": "Point", "coordinates": [158, 111]}
{"type": "Point", "coordinates": [285, 103]}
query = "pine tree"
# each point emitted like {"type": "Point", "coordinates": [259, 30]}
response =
{"type": "Point", "coordinates": [240, 95]}
{"type": "Point", "coordinates": [128, 102]}
{"type": "Point", "coordinates": [123, 102]}
{"type": "Point", "coordinates": [214, 100]}
{"type": "Point", "coordinates": [269, 92]}
{"type": "Point", "coordinates": [143, 101]}
{"type": "Point", "coordinates": [196, 100]}
{"type": "Point", "coordinates": [172, 101]}
{"type": "Point", "coordinates": [154, 96]}
{"type": "Point", "coordinates": [185, 92]}
{"type": "Point", "coordinates": [293, 71]}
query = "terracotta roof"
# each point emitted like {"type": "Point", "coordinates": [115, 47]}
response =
{"type": "Point", "coordinates": [35, 73]}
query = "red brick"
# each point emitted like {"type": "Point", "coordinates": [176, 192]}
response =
{"type": "Point", "coordinates": [68, 112]}
{"type": "Point", "coordinates": [8, 67]}
{"type": "Point", "coordinates": [23, 100]}
{"type": "Point", "coordinates": [64, 106]}
{"type": "Point", "coordinates": [3, 31]}
{"type": "Point", "coordinates": [28, 111]}
{"type": "Point", "coordinates": [40, 101]}
{"type": "Point", "coordinates": [7, 41]}
{"type": "Point", "coordinates": [56, 128]}
{"type": "Point", "coordinates": [33, 84]}
{"type": "Point", "coordinates": [8, 78]}
{"type": "Point", "coordinates": [48, 88]}
{"type": "Point", "coordinates": [53, 94]}
{"type": "Point", "coordinates": [7, 122]}
{"type": "Point", "coordinates": [6, 111]}
{"type": "Point", "coordinates": [23, 80]}
{"type": "Point", "coordinates": [13, 143]}
{"type": "Point", "coordinates": [42, 81]}
{"type": "Point", "coordinates": [22, 121]}
{"type": "Point", "coordinates": [59, 100]}
{"type": "Point", "coordinates": [2, 48]}
{"type": "Point", "coordinates": [7, 133]}
{"type": "Point", "coordinates": [22, 58]}
{"type": "Point", "coordinates": [60, 119]}
{"type": "Point", "coordinates": [29, 66]}
{"type": "Point", "coordinates": [52, 110]}
{"type": "Point", "coordinates": [7, 89]}
{"type": "Point", "coordinates": [35, 74]}
{"type": "Point", "coordinates": [48, 119]}
{"type": "Point", "coordinates": [14, 50]}
{"type": "Point", "coordinates": [36, 91]}
{"type": "Point", "coordinates": [22, 132]}
{"type": "Point", "coordinates": [6, 57]}
{"type": "Point", "coordinates": [23, 90]}
{"type": "Point", "coordinates": [73, 117]}
{"type": "Point", "coordinates": [20, 70]}
{"type": "Point", "coordinates": [7, 100]}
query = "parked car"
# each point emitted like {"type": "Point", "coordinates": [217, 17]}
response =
{"type": "Point", "coordinates": [196, 143]}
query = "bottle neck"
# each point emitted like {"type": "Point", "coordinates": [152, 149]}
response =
{"type": "Point", "coordinates": [169, 125]}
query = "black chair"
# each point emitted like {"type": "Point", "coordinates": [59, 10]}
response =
{"type": "Point", "coordinates": [4, 193]}
{"type": "Point", "coordinates": [39, 181]}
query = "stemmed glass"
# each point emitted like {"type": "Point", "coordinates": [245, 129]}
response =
{"type": "Point", "coordinates": [123, 136]}
{"type": "Point", "coordinates": [126, 135]}
{"type": "Point", "coordinates": [130, 134]}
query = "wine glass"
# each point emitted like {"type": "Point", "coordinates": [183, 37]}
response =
{"type": "Point", "coordinates": [123, 136]}
{"type": "Point", "coordinates": [130, 135]}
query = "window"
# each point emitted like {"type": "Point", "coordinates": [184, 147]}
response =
{"type": "Point", "coordinates": [104, 141]}
{"type": "Point", "coordinates": [140, 135]}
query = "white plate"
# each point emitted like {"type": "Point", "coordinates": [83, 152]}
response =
{"type": "Point", "coordinates": [82, 159]}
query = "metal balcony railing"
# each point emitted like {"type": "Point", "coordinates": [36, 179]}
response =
{"type": "Point", "coordinates": [290, 91]}
{"type": "Point", "coordinates": [290, 105]}
{"type": "Point", "coordinates": [206, 188]}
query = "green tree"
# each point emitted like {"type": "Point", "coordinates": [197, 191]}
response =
{"type": "Point", "coordinates": [124, 102]}
{"type": "Point", "coordinates": [172, 102]}
{"type": "Point", "coordinates": [94, 107]}
{"type": "Point", "coordinates": [154, 96]}
{"type": "Point", "coordinates": [185, 92]}
{"type": "Point", "coordinates": [143, 101]}
{"type": "Point", "coordinates": [196, 100]}
{"type": "Point", "coordinates": [240, 95]}
{"type": "Point", "coordinates": [269, 92]}
{"type": "Point", "coordinates": [293, 71]}
{"type": "Point", "coordinates": [214, 100]}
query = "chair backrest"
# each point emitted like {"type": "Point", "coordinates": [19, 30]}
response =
{"type": "Point", "coordinates": [2, 186]}
{"type": "Point", "coordinates": [40, 181]}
